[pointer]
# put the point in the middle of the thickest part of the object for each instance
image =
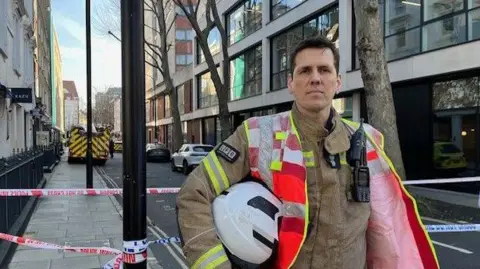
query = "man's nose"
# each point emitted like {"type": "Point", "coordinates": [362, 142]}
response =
{"type": "Point", "coordinates": [316, 77]}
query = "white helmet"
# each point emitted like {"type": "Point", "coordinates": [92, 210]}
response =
{"type": "Point", "coordinates": [246, 219]}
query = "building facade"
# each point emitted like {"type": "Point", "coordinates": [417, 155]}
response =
{"type": "Point", "coordinates": [71, 104]}
{"type": "Point", "coordinates": [180, 57]}
{"type": "Point", "coordinates": [117, 115]}
{"type": "Point", "coordinates": [431, 51]}
{"type": "Point", "coordinates": [43, 68]}
{"type": "Point", "coordinates": [17, 83]}
{"type": "Point", "coordinates": [58, 96]}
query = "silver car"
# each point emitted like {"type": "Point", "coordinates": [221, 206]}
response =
{"type": "Point", "coordinates": [189, 156]}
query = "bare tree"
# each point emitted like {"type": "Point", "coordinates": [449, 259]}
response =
{"type": "Point", "coordinates": [102, 111]}
{"type": "Point", "coordinates": [106, 21]}
{"type": "Point", "coordinates": [190, 8]}
{"type": "Point", "coordinates": [378, 90]}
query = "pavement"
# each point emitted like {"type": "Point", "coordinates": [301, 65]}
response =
{"type": "Point", "coordinates": [78, 221]}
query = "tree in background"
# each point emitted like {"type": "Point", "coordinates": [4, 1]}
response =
{"type": "Point", "coordinates": [213, 20]}
{"type": "Point", "coordinates": [376, 81]}
{"type": "Point", "coordinates": [102, 110]}
{"type": "Point", "coordinates": [107, 20]}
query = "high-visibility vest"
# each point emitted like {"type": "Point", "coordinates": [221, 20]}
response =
{"type": "Point", "coordinates": [396, 238]}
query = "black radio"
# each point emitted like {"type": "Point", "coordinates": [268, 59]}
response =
{"type": "Point", "coordinates": [357, 156]}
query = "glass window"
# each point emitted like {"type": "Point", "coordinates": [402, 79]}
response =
{"type": "Point", "coordinates": [244, 20]}
{"type": "Point", "coordinates": [452, 94]}
{"type": "Point", "coordinates": [437, 8]}
{"type": "Point", "coordinates": [400, 16]}
{"type": "Point", "coordinates": [446, 32]}
{"type": "Point", "coordinates": [214, 43]}
{"type": "Point", "coordinates": [183, 59]}
{"type": "Point", "coordinates": [326, 24]}
{"type": "Point", "coordinates": [207, 96]}
{"type": "Point", "coordinates": [445, 23]}
{"type": "Point", "coordinates": [246, 74]}
{"type": "Point", "coordinates": [403, 44]}
{"type": "Point", "coordinates": [343, 106]}
{"type": "Point", "coordinates": [474, 23]}
{"type": "Point", "coordinates": [280, 7]}
{"type": "Point", "coordinates": [455, 105]}
{"type": "Point", "coordinates": [183, 34]}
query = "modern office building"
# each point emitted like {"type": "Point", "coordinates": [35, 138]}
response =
{"type": "Point", "coordinates": [432, 47]}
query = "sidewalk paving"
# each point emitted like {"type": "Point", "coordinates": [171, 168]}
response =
{"type": "Point", "coordinates": [452, 197]}
{"type": "Point", "coordinates": [77, 221]}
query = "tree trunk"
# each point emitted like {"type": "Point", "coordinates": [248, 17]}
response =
{"type": "Point", "coordinates": [223, 113]}
{"type": "Point", "coordinates": [177, 122]}
{"type": "Point", "coordinates": [378, 90]}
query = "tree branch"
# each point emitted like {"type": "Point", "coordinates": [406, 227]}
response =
{"type": "Point", "coordinates": [153, 47]}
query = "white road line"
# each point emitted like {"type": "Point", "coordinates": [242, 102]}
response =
{"type": "Point", "coordinates": [150, 228]}
{"type": "Point", "coordinates": [466, 251]}
{"type": "Point", "coordinates": [437, 220]}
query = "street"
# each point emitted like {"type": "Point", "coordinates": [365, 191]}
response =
{"type": "Point", "coordinates": [459, 250]}
{"type": "Point", "coordinates": [160, 208]}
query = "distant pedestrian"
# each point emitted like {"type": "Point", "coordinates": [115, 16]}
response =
{"type": "Point", "coordinates": [111, 147]}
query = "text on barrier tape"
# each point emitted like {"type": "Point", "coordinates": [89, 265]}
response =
{"type": "Point", "coordinates": [115, 263]}
{"type": "Point", "coordinates": [77, 192]}
{"type": "Point", "coordinates": [452, 228]}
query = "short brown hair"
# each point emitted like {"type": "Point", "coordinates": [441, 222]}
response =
{"type": "Point", "coordinates": [317, 42]}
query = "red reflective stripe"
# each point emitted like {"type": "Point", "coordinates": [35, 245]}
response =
{"type": "Point", "coordinates": [372, 155]}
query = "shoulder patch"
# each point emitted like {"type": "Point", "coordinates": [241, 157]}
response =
{"type": "Point", "coordinates": [227, 152]}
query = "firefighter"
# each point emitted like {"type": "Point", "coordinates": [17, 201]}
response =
{"type": "Point", "coordinates": [333, 217]}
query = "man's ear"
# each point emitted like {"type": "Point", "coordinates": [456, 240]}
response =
{"type": "Point", "coordinates": [289, 83]}
{"type": "Point", "coordinates": [339, 83]}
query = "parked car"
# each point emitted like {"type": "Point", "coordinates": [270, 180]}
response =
{"type": "Point", "coordinates": [157, 152]}
{"type": "Point", "coordinates": [189, 156]}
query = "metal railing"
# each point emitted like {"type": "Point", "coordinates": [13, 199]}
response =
{"type": "Point", "coordinates": [23, 170]}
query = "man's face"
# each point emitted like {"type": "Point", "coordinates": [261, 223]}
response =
{"type": "Point", "coordinates": [315, 80]}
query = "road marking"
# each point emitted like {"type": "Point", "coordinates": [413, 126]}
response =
{"type": "Point", "coordinates": [150, 228]}
{"type": "Point", "coordinates": [466, 251]}
{"type": "Point", "coordinates": [437, 220]}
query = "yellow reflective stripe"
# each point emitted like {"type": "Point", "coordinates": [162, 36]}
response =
{"type": "Point", "coordinates": [343, 158]}
{"type": "Point", "coordinates": [276, 165]}
{"type": "Point", "coordinates": [245, 125]}
{"type": "Point", "coordinates": [307, 211]}
{"type": "Point", "coordinates": [280, 135]}
{"type": "Point", "coordinates": [211, 259]}
{"type": "Point", "coordinates": [216, 173]}
{"type": "Point", "coordinates": [308, 154]}
{"type": "Point", "coordinates": [309, 159]}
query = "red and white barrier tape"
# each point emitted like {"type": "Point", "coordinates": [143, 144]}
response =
{"type": "Point", "coordinates": [77, 192]}
{"type": "Point", "coordinates": [131, 254]}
